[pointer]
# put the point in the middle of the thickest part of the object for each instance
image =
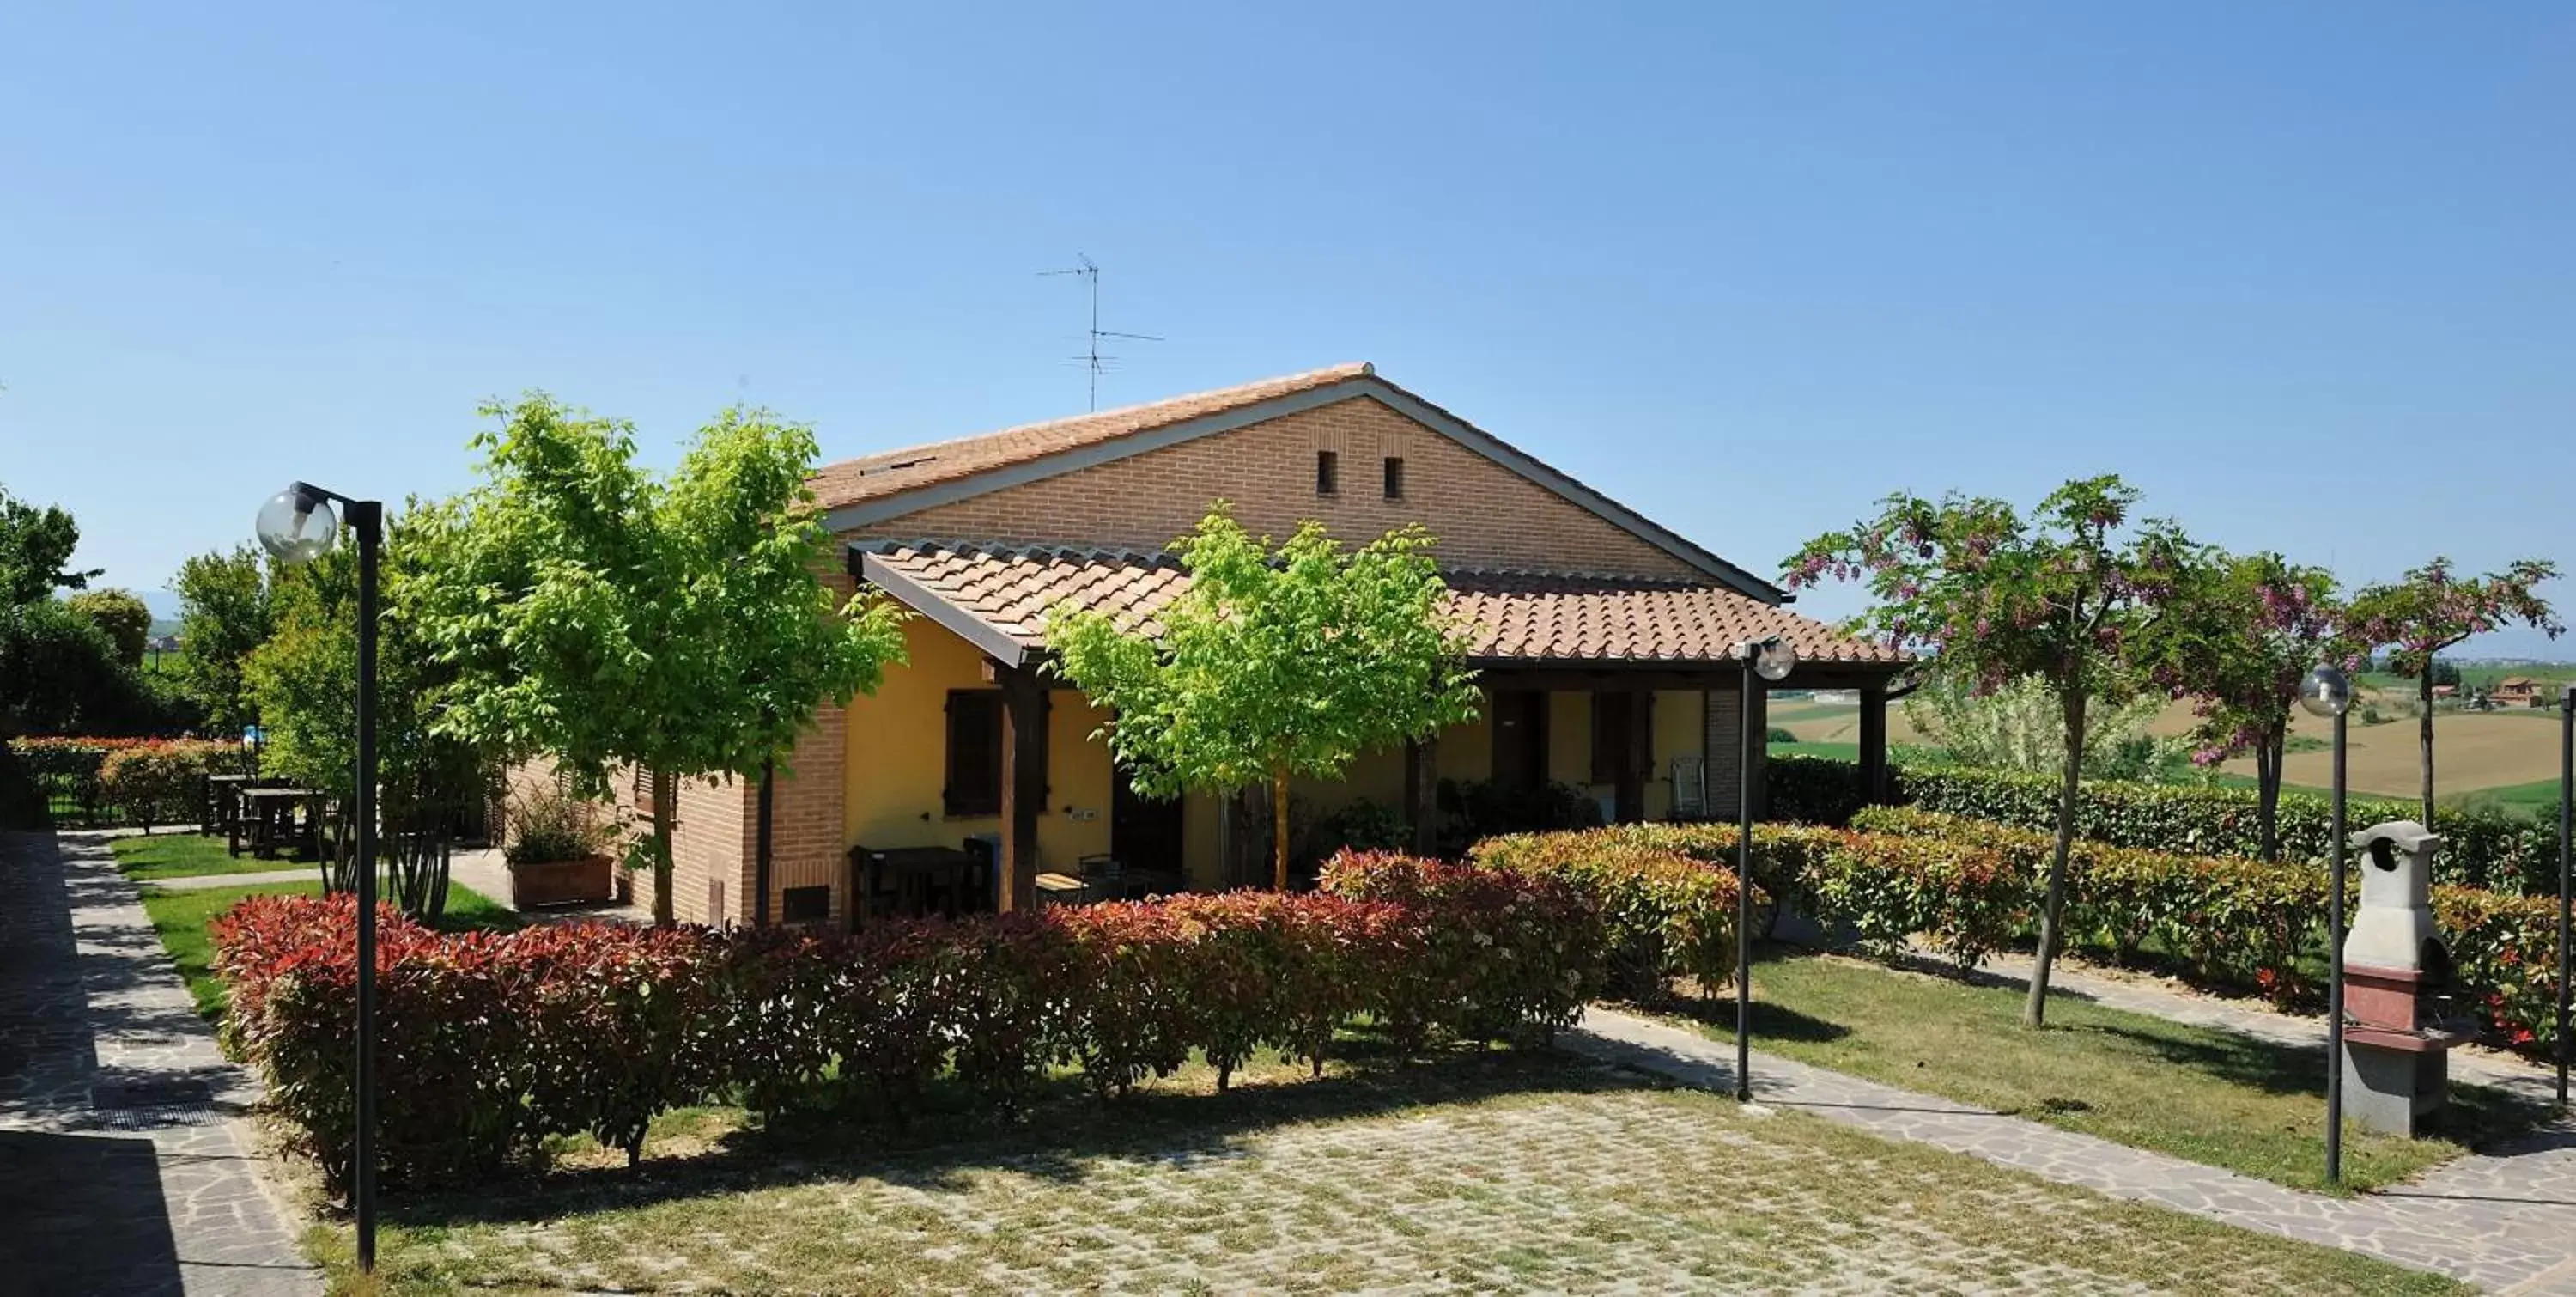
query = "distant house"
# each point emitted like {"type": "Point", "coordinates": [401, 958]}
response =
{"type": "Point", "coordinates": [2446, 691]}
{"type": "Point", "coordinates": [2517, 691]}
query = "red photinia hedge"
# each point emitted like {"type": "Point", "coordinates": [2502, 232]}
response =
{"type": "Point", "coordinates": [492, 1042]}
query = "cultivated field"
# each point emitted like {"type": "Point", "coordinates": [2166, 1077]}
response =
{"type": "Point", "coordinates": [2508, 755]}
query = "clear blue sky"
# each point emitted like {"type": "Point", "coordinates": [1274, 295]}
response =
{"type": "Point", "coordinates": [2304, 273]}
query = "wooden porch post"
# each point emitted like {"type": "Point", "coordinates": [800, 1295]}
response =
{"type": "Point", "coordinates": [1024, 782]}
{"type": "Point", "coordinates": [1422, 793]}
{"type": "Point", "coordinates": [1873, 744]}
{"type": "Point", "coordinates": [1638, 759]}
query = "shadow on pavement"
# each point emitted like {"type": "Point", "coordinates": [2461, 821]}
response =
{"type": "Point", "coordinates": [84, 1215]}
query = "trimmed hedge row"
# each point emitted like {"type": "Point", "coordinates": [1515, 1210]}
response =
{"type": "Point", "coordinates": [1884, 888]}
{"type": "Point", "coordinates": [497, 1041]}
{"type": "Point", "coordinates": [1971, 887]}
{"type": "Point", "coordinates": [2487, 849]}
{"type": "Point", "coordinates": [125, 781]}
{"type": "Point", "coordinates": [2249, 924]}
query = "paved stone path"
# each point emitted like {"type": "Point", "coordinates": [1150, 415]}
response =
{"type": "Point", "coordinates": [128, 1170]}
{"type": "Point", "coordinates": [2505, 1222]}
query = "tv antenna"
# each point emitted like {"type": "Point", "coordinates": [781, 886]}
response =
{"type": "Point", "coordinates": [1092, 358]}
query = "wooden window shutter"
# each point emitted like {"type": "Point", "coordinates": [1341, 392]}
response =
{"type": "Point", "coordinates": [974, 752]}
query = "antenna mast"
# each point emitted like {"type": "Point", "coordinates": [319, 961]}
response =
{"type": "Point", "coordinates": [1092, 358]}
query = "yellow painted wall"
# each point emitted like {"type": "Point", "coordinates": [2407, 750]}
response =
{"type": "Point", "coordinates": [898, 760]}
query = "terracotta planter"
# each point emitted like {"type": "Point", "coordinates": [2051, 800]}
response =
{"type": "Point", "coordinates": [587, 881]}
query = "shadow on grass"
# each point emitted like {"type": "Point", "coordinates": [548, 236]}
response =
{"type": "Point", "coordinates": [937, 1142]}
{"type": "Point", "coordinates": [1770, 1021]}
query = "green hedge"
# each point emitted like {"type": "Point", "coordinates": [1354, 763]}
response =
{"type": "Point", "coordinates": [1970, 887]}
{"type": "Point", "coordinates": [2484, 849]}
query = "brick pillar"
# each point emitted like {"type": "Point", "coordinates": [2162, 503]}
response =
{"type": "Point", "coordinates": [1723, 751]}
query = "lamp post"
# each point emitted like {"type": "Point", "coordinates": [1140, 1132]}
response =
{"type": "Point", "coordinates": [1763, 661]}
{"type": "Point", "coordinates": [2566, 846]}
{"type": "Point", "coordinates": [298, 525]}
{"type": "Point", "coordinates": [2326, 692]}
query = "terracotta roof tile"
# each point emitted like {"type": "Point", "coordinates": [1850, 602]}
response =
{"type": "Point", "coordinates": [1515, 616]}
{"type": "Point", "coordinates": [869, 477]}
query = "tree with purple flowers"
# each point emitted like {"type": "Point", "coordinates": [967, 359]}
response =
{"type": "Point", "coordinates": [1991, 597]}
{"type": "Point", "coordinates": [2237, 636]}
{"type": "Point", "coordinates": [2431, 610]}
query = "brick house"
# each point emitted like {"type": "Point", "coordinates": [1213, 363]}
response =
{"type": "Point", "coordinates": [2516, 691]}
{"type": "Point", "coordinates": [1601, 637]}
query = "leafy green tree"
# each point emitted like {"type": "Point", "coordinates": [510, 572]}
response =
{"type": "Point", "coordinates": [2429, 610]}
{"type": "Point", "coordinates": [36, 551]}
{"type": "Point", "coordinates": [2020, 727]}
{"type": "Point", "coordinates": [124, 617]}
{"type": "Point", "coordinates": [224, 614]}
{"type": "Point", "coordinates": [303, 683]}
{"type": "Point", "coordinates": [1270, 666]}
{"type": "Point", "coordinates": [2239, 634]}
{"type": "Point", "coordinates": [1994, 597]}
{"type": "Point", "coordinates": [607, 618]}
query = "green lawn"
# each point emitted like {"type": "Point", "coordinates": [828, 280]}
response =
{"type": "Point", "coordinates": [1509, 1172]}
{"type": "Point", "coordinates": [184, 855]}
{"type": "Point", "coordinates": [2205, 1095]}
{"type": "Point", "coordinates": [181, 918]}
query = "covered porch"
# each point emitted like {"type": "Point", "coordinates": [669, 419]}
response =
{"type": "Point", "coordinates": [1624, 689]}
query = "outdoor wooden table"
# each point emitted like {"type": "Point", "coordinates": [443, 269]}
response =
{"type": "Point", "coordinates": [916, 880]}
{"type": "Point", "coordinates": [223, 794]}
{"type": "Point", "coordinates": [272, 816]}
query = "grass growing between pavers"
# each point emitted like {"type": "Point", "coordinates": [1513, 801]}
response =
{"type": "Point", "coordinates": [181, 918]}
{"type": "Point", "coordinates": [187, 855]}
{"type": "Point", "coordinates": [2198, 1093]}
{"type": "Point", "coordinates": [1509, 1172]}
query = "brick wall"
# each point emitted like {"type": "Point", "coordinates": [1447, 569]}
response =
{"type": "Point", "coordinates": [807, 829]}
{"type": "Point", "coordinates": [709, 837]}
{"type": "Point", "coordinates": [1484, 514]}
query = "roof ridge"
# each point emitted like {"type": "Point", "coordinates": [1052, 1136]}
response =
{"type": "Point", "coordinates": [1115, 414]}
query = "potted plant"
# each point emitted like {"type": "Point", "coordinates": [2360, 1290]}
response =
{"type": "Point", "coordinates": [553, 848]}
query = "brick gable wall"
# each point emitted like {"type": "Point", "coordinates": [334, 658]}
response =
{"type": "Point", "coordinates": [1485, 515]}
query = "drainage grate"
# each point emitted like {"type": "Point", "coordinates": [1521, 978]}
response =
{"type": "Point", "coordinates": [150, 1092]}
{"type": "Point", "coordinates": [156, 1117]}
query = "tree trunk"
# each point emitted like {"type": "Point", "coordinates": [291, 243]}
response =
{"type": "Point", "coordinates": [2267, 786]}
{"type": "Point", "coordinates": [1279, 829]}
{"type": "Point", "coordinates": [2424, 696]}
{"type": "Point", "coordinates": [666, 793]}
{"type": "Point", "coordinates": [2034, 1012]}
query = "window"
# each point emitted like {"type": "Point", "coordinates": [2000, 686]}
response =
{"type": "Point", "coordinates": [805, 904]}
{"type": "Point", "coordinates": [644, 790]}
{"type": "Point", "coordinates": [974, 752]}
{"type": "Point", "coordinates": [1328, 471]}
{"type": "Point", "coordinates": [1394, 478]}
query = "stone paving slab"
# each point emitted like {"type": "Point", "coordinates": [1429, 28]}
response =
{"type": "Point", "coordinates": [2505, 1222]}
{"type": "Point", "coordinates": [140, 1177]}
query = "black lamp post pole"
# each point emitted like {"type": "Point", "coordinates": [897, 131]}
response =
{"type": "Point", "coordinates": [2566, 843]}
{"type": "Point", "coordinates": [2334, 972]}
{"type": "Point", "coordinates": [367, 518]}
{"type": "Point", "coordinates": [1744, 881]}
